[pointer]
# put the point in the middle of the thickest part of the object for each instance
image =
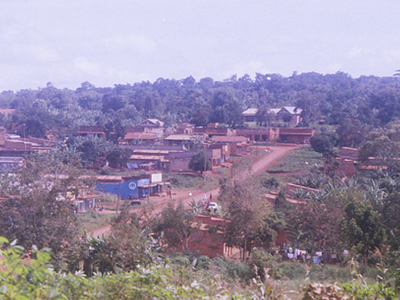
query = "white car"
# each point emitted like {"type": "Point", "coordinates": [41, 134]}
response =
{"type": "Point", "coordinates": [213, 206]}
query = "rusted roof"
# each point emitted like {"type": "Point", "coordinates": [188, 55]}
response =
{"type": "Point", "coordinates": [140, 136]}
{"type": "Point", "coordinates": [7, 111]}
{"type": "Point", "coordinates": [230, 139]}
{"type": "Point", "coordinates": [179, 137]}
{"type": "Point", "coordinates": [146, 157]}
{"type": "Point", "coordinates": [155, 152]}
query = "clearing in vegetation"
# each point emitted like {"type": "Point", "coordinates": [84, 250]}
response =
{"type": "Point", "coordinates": [304, 158]}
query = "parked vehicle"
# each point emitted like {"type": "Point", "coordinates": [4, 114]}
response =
{"type": "Point", "coordinates": [213, 207]}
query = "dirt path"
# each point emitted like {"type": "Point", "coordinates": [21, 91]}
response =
{"type": "Point", "coordinates": [267, 160]}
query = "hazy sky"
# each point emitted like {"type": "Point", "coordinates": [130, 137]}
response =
{"type": "Point", "coordinates": [106, 42]}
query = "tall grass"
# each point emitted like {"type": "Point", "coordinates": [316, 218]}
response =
{"type": "Point", "coordinates": [301, 159]}
{"type": "Point", "coordinates": [92, 220]}
{"type": "Point", "coordinates": [186, 181]}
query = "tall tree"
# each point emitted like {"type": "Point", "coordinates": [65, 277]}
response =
{"type": "Point", "coordinates": [38, 212]}
{"type": "Point", "coordinates": [177, 225]}
{"type": "Point", "coordinates": [248, 214]}
{"type": "Point", "coordinates": [322, 143]}
{"type": "Point", "coordinates": [200, 162]}
{"type": "Point", "coordinates": [390, 214]}
{"type": "Point", "coordinates": [362, 228]}
{"type": "Point", "coordinates": [384, 145]}
{"type": "Point", "coordinates": [317, 224]}
{"type": "Point", "coordinates": [111, 102]}
{"type": "Point", "coordinates": [114, 130]}
{"type": "Point", "coordinates": [118, 157]}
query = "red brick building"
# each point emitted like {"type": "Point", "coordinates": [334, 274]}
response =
{"type": "Point", "coordinates": [296, 135]}
{"type": "Point", "coordinates": [261, 134]}
{"type": "Point", "coordinates": [344, 164]}
{"type": "Point", "coordinates": [209, 238]}
{"type": "Point", "coordinates": [238, 145]}
{"type": "Point", "coordinates": [91, 130]}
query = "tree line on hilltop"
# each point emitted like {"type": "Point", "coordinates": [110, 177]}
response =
{"type": "Point", "coordinates": [354, 105]}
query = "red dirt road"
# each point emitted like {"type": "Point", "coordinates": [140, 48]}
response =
{"type": "Point", "coordinates": [268, 160]}
{"type": "Point", "coordinates": [265, 161]}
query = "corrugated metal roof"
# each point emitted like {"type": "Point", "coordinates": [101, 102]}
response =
{"type": "Point", "coordinates": [293, 110]}
{"type": "Point", "coordinates": [250, 112]}
{"type": "Point", "coordinates": [179, 137]}
{"type": "Point", "coordinates": [145, 157]}
{"type": "Point", "coordinates": [274, 110]}
{"type": "Point", "coordinates": [140, 136]}
{"type": "Point", "coordinates": [229, 138]}
{"type": "Point", "coordinates": [151, 151]}
{"type": "Point", "coordinates": [153, 121]}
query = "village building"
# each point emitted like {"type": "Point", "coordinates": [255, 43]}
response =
{"type": "Point", "coordinates": [344, 164]}
{"type": "Point", "coordinates": [14, 146]}
{"type": "Point", "coordinates": [152, 125]}
{"type": "Point", "coordinates": [131, 187]}
{"type": "Point", "coordinates": [147, 162]}
{"type": "Point", "coordinates": [261, 134]}
{"type": "Point", "coordinates": [296, 135]}
{"type": "Point", "coordinates": [213, 129]}
{"type": "Point", "coordinates": [290, 113]}
{"type": "Point", "coordinates": [82, 205]}
{"type": "Point", "coordinates": [285, 116]}
{"type": "Point", "coordinates": [182, 139]}
{"type": "Point", "coordinates": [134, 136]}
{"type": "Point", "coordinates": [85, 200]}
{"type": "Point", "coordinates": [250, 116]}
{"type": "Point", "coordinates": [208, 238]}
{"type": "Point", "coordinates": [179, 161]}
{"type": "Point", "coordinates": [238, 145]}
{"type": "Point", "coordinates": [11, 163]}
{"type": "Point", "coordinates": [224, 148]}
{"type": "Point", "coordinates": [91, 131]}
{"type": "Point", "coordinates": [171, 160]}
{"type": "Point", "coordinates": [185, 128]}
{"type": "Point", "coordinates": [149, 159]}
{"type": "Point", "coordinates": [7, 112]}
{"type": "Point", "coordinates": [148, 132]}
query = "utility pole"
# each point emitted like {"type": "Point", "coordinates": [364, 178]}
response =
{"type": "Point", "coordinates": [119, 194]}
{"type": "Point", "coordinates": [205, 162]}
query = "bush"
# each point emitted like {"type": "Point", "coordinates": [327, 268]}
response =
{"type": "Point", "coordinates": [233, 271]}
{"type": "Point", "coordinates": [35, 279]}
{"type": "Point", "coordinates": [265, 263]}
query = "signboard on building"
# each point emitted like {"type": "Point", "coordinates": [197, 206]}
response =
{"type": "Point", "coordinates": [144, 181]}
{"type": "Point", "coordinates": [156, 177]}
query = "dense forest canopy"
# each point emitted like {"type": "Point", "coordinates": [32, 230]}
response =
{"type": "Point", "coordinates": [353, 105]}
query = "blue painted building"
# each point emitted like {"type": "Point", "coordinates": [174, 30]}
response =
{"type": "Point", "coordinates": [124, 187]}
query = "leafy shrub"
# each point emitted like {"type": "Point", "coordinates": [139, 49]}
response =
{"type": "Point", "coordinates": [265, 263]}
{"type": "Point", "coordinates": [234, 271]}
{"type": "Point", "coordinates": [35, 279]}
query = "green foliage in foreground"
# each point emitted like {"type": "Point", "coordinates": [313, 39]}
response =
{"type": "Point", "coordinates": [35, 279]}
